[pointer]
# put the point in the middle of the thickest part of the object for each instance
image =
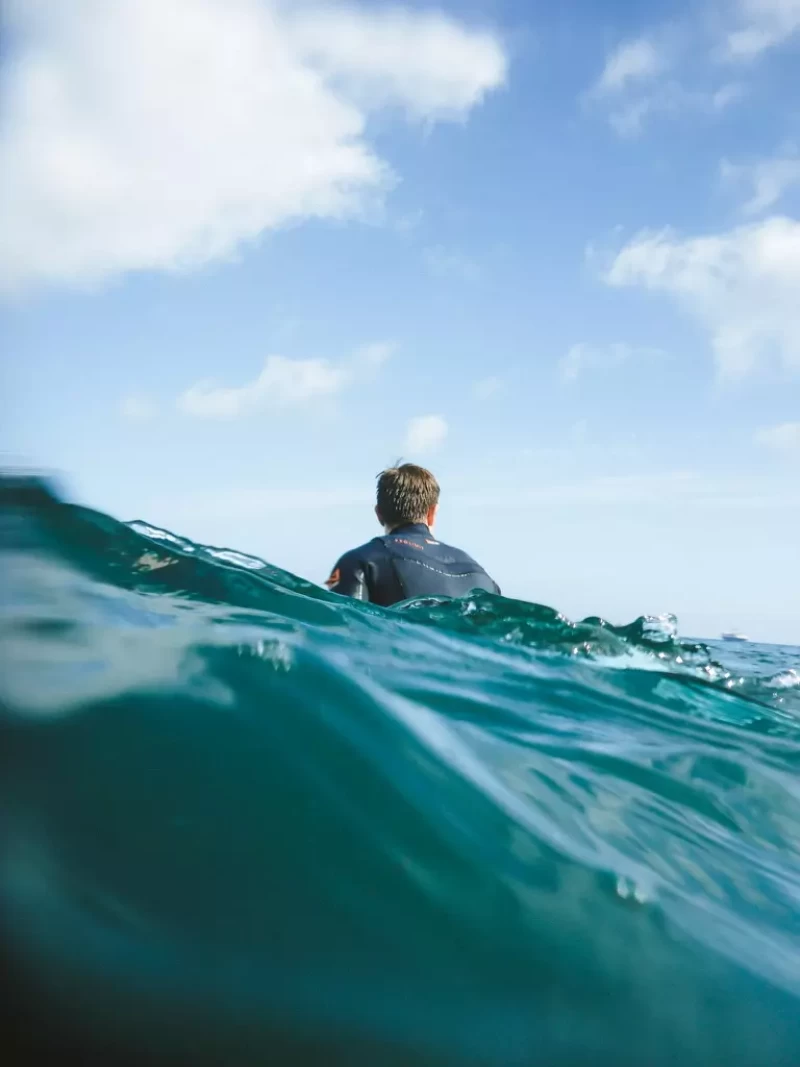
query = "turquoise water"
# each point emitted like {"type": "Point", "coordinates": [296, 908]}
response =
{"type": "Point", "coordinates": [245, 821]}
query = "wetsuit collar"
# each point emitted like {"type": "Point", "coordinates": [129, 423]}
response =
{"type": "Point", "coordinates": [412, 527]}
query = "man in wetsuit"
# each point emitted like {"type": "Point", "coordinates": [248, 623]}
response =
{"type": "Point", "coordinates": [407, 561]}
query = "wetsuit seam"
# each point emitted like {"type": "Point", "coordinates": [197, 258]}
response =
{"type": "Point", "coordinates": [447, 574]}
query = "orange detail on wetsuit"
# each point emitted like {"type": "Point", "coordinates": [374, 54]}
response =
{"type": "Point", "coordinates": [334, 578]}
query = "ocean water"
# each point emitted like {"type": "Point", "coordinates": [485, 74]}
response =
{"type": "Point", "coordinates": [244, 821]}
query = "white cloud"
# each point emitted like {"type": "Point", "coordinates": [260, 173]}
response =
{"type": "Point", "coordinates": [632, 61]}
{"type": "Point", "coordinates": [487, 387]}
{"type": "Point", "coordinates": [583, 357]}
{"type": "Point", "coordinates": [768, 178]}
{"type": "Point", "coordinates": [163, 134]}
{"type": "Point", "coordinates": [138, 407]}
{"type": "Point", "coordinates": [282, 383]}
{"type": "Point", "coordinates": [742, 285]}
{"type": "Point", "coordinates": [425, 434]}
{"type": "Point", "coordinates": [422, 62]}
{"type": "Point", "coordinates": [762, 24]}
{"type": "Point", "coordinates": [444, 262]}
{"type": "Point", "coordinates": [784, 437]}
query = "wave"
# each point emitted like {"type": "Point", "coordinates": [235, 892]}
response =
{"type": "Point", "coordinates": [247, 821]}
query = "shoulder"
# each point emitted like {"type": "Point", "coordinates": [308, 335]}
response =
{"type": "Point", "coordinates": [458, 555]}
{"type": "Point", "coordinates": [361, 554]}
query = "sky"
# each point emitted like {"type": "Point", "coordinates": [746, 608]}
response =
{"type": "Point", "coordinates": [254, 251]}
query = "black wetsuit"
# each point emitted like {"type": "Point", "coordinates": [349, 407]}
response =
{"type": "Point", "coordinates": [408, 562]}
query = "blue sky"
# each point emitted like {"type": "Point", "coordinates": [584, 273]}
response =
{"type": "Point", "coordinates": [255, 251]}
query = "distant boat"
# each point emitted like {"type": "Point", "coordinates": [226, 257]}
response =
{"type": "Point", "coordinates": [734, 635]}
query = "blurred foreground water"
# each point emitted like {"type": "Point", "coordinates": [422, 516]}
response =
{"type": "Point", "coordinates": [246, 821]}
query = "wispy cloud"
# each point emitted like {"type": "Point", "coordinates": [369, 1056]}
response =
{"type": "Point", "coordinates": [586, 357]}
{"type": "Point", "coordinates": [138, 407]}
{"type": "Point", "coordinates": [671, 100]}
{"type": "Point", "coordinates": [761, 25]}
{"type": "Point", "coordinates": [624, 84]}
{"type": "Point", "coordinates": [282, 383]}
{"type": "Point", "coordinates": [784, 437]}
{"type": "Point", "coordinates": [409, 221]}
{"type": "Point", "coordinates": [445, 262]}
{"type": "Point", "coordinates": [742, 285]}
{"type": "Point", "coordinates": [373, 355]}
{"type": "Point", "coordinates": [629, 120]}
{"type": "Point", "coordinates": [768, 179]}
{"type": "Point", "coordinates": [631, 61]}
{"type": "Point", "coordinates": [143, 135]}
{"type": "Point", "coordinates": [667, 74]}
{"type": "Point", "coordinates": [727, 94]}
{"type": "Point", "coordinates": [425, 434]}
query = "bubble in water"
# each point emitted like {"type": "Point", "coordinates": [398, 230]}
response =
{"type": "Point", "coordinates": [630, 890]}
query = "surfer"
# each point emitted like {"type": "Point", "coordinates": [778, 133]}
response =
{"type": "Point", "coordinates": [407, 561]}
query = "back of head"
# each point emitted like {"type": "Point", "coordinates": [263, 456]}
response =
{"type": "Point", "coordinates": [406, 494]}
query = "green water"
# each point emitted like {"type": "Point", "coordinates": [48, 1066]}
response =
{"type": "Point", "coordinates": [247, 822]}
